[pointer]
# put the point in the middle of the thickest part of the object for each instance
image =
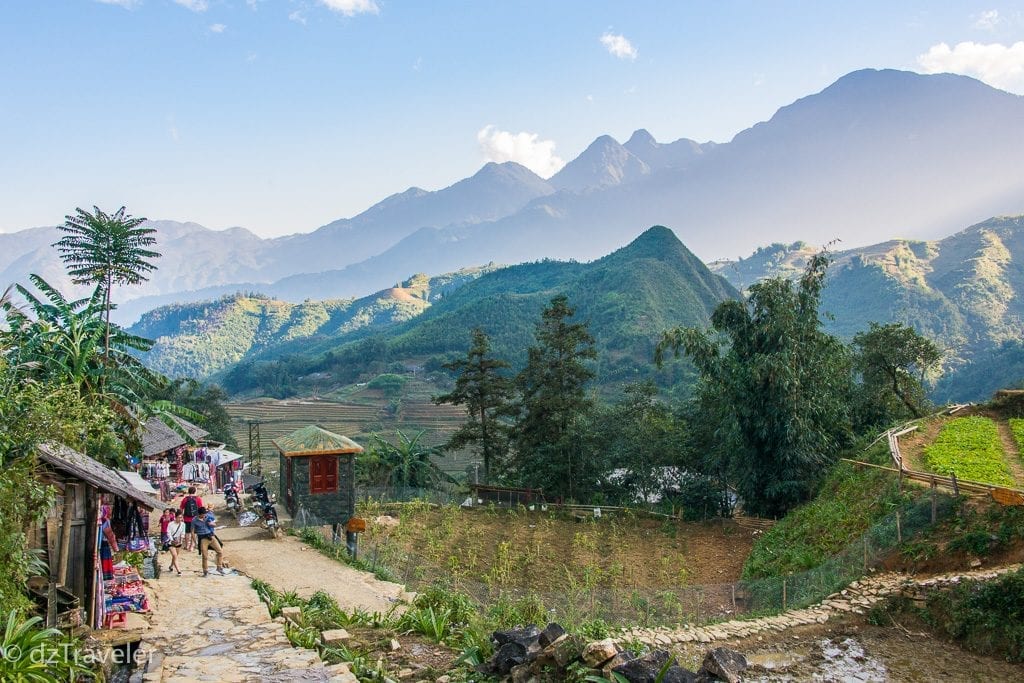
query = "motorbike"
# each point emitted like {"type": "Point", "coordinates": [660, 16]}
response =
{"type": "Point", "coordinates": [231, 501]}
{"type": "Point", "coordinates": [264, 504]}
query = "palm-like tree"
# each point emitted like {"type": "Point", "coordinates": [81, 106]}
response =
{"type": "Point", "coordinates": [106, 250]}
{"type": "Point", "coordinates": [409, 462]}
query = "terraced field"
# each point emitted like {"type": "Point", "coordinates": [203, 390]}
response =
{"type": "Point", "coordinates": [362, 413]}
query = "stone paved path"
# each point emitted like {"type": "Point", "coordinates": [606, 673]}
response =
{"type": "Point", "coordinates": [217, 629]}
{"type": "Point", "coordinates": [857, 598]}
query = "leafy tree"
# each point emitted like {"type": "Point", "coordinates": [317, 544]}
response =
{"type": "Point", "coordinates": [487, 395]}
{"type": "Point", "coordinates": [204, 400]}
{"type": "Point", "coordinates": [550, 450]}
{"type": "Point", "coordinates": [644, 442]}
{"type": "Point", "coordinates": [893, 361]}
{"type": "Point", "coordinates": [106, 250]}
{"type": "Point", "coordinates": [782, 383]}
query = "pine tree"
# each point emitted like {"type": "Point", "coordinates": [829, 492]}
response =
{"type": "Point", "coordinates": [551, 453]}
{"type": "Point", "coordinates": [487, 395]}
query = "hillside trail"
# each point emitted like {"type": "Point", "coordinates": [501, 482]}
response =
{"type": "Point", "coordinates": [1011, 453]}
{"type": "Point", "coordinates": [288, 564]}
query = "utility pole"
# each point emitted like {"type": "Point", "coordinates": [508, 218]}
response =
{"type": "Point", "coordinates": [255, 448]}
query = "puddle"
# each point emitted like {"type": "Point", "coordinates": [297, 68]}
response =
{"type": "Point", "coordinates": [847, 661]}
{"type": "Point", "coordinates": [826, 660]}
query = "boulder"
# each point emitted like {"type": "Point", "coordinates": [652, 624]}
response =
{"type": "Point", "coordinates": [566, 650]}
{"type": "Point", "coordinates": [597, 653]}
{"type": "Point", "coordinates": [620, 658]}
{"type": "Point", "coordinates": [725, 664]}
{"type": "Point", "coordinates": [644, 669]}
{"type": "Point", "coordinates": [524, 636]}
{"type": "Point", "coordinates": [550, 634]}
{"type": "Point", "coordinates": [508, 655]}
{"type": "Point", "coordinates": [522, 673]}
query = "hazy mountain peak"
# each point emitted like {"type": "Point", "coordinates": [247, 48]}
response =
{"type": "Point", "coordinates": [640, 138]}
{"type": "Point", "coordinates": [603, 163]}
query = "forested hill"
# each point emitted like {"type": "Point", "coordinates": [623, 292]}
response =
{"type": "Point", "coordinates": [966, 292]}
{"type": "Point", "coordinates": [201, 339]}
{"type": "Point", "coordinates": [629, 298]}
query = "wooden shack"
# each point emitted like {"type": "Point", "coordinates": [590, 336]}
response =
{"type": "Point", "coordinates": [318, 476]}
{"type": "Point", "coordinates": [70, 530]}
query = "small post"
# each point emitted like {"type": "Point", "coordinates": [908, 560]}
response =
{"type": "Point", "coordinates": [865, 554]}
{"type": "Point", "coordinates": [52, 545]}
{"type": "Point", "coordinates": [783, 595]}
{"type": "Point", "coordinates": [935, 502]}
{"type": "Point", "coordinates": [899, 529]}
{"type": "Point", "coordinates": [352, 543]}
{"type": "Point", "coordinates": [733, 586]}
{"type": "Point", "coordinates": [901, 478]}
{"type": "Point", "coordinates": [956, 487]}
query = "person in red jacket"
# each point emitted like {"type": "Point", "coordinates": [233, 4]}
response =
{"type": "Point", "coordinates": [189, 506]}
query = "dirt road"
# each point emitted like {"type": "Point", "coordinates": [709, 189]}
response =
{"type": "Point", "coordinates": [288, 564]}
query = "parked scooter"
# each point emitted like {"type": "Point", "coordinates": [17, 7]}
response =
{"type": "Point", "coordinates": [264, 504]}
{"type": "Point", "coordinates": [231, 501]}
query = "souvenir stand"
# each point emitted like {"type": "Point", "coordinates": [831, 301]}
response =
{"type": "Point", "coordinates": [73, 535]}
{"type": "Point", "coordinates": [167, 459]}
{"type": "Point", "coordinates": [227, 466]}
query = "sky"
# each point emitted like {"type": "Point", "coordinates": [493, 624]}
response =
{"type": "Point", "coordinates": [283, 115]}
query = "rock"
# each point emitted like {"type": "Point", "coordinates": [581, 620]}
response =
{"type": "Point", "coordinates": [337, 636]}
{"type": "Point", "coordinates": [677, 674]}
{"type": "Point", "coordinates": [386, 521]}
{"type": "Point", "coordinates": [617, 660]}
{"type": "Point", "coordinates": [975, 564]}
{"type": "Point", "coordinates": [521, 673]}
{"type": "Point", "coordinates": [395, 645]}
{"type": "Point", "coordinates": [597, 653]}
{"type": "Point", "coordinates": [508, 655]}
{"type": "Point", "coordinates": [643, 669]}
{"type": "Point", "coordinates": [725, 664]}
{"type": "Point", "coordinates": [550, 634]}
{"type": "Point", "coordinates": [444, 679]}
{"type": "Point", "coordinates": [566, 650]}
{"type": "Point", "coordinates": [406, 673]}
{"type": "Point", "coordinates": [524, 636]}
{"type": "Point", "coordinates": [292, 614]}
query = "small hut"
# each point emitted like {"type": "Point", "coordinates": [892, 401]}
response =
{"type": "Point", "coordinates": [317, 475]}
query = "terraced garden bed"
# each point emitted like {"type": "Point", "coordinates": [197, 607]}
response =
{"type": "Point", "coordinates": [970, 448]}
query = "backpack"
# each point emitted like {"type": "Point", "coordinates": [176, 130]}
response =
{"type": "Point", "coordinates": [191, 508]}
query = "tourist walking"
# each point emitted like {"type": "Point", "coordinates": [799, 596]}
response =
{"type": "Point", "coordinates": [165, 520]}
{"type": "Point", "coordinates": [204, 525]}
{"type": "Point", "coordinates": [190, 507]}
{"type": "Point", "coordinates": [175, 538]}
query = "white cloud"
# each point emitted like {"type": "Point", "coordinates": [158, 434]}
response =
{"type": "Point", "coordinates": [194, 5]}
{"type": "Point", "coordinates": [618, 46]}
{"type": "Point", "coordinates": [351, 8]}
{"type": "Point", "coordinates": [217, 28]}
{"type": "Point", "coordinates": [298, 17]}
{"type": "Point", "coordinates": [127, 4]}
{"type": "Point", "coordinates": [523, 148]}
{"type": "Point", "coordinates": [998, 65]}
{"type": "Point", "coordinates": [987, 20]}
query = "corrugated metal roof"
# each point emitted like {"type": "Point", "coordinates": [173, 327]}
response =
{"type": "Point", "coordinates": [157, 437]}
{"type": "Point", "coordinates": [315, 440]}
{"type": "Point", "coordinates": [99, 475]}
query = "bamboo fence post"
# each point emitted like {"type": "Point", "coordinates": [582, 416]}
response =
{"type": "Point", "coordinates": [956, 488]}
{"type": "Point", "coordinates": [65, 533]}
{"type": "Point", "coordinates": [899, 530]}
{"type": "Point", "coordinates": [865, 553]}
{"type": "Point", "coordinates": [783, 595]}
{"type": "Point", "coordinates": [935, 502]}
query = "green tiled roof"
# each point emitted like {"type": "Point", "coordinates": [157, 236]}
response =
{"type": "Point", "coordinates": [314, 440]}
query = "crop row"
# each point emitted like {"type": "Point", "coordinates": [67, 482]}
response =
{"type": "Point", "coordinates": [969, 447]}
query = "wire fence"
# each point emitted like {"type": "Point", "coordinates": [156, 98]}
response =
{"type": "Point", "coordinates": [582, 598]}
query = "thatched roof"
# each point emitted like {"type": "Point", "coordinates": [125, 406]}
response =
{"type": "Point", "coordinates": [70, 461]}
{"type": "Point", "coordinates": [314, 440]}
{"type": "Point", "coordinates": [157, 437]}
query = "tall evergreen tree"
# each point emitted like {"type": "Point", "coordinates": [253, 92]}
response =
{"type": "Point", "coordinates": [487, 395]}
{"type": "Point", "coordinates": [783, 383]}
{"type": "Point", "coordinates": [550, 451]}
{"type": "Point", "coordinates": [106, 250]}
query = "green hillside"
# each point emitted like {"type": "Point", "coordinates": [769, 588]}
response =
{"type": "Point", "coordinates": [629, 298]}
{"type": "Point", "coordinates": [964, 291]}
{"type": "Point", "coordinates": [201, 339]}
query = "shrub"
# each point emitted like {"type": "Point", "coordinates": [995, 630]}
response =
{"type": "Point", "coordinates": [30, 653]}
{"type": "Point", "coordinates": [969, 447]}
{"type": "Point", "coordinates": [986, 617]}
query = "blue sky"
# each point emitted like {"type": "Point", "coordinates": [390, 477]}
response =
{"type": "Point", "coordinates": [283, 115]}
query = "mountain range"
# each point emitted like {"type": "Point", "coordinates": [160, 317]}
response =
{"type": "Point", "coordinates": [876, 154]}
